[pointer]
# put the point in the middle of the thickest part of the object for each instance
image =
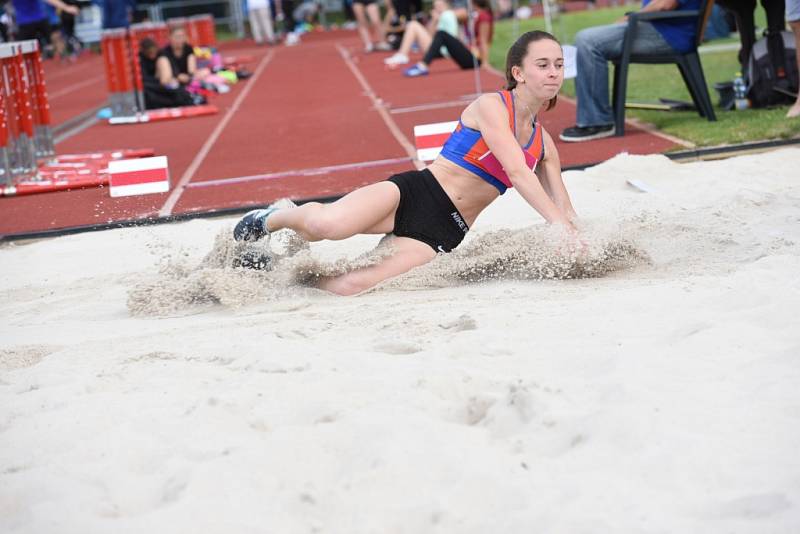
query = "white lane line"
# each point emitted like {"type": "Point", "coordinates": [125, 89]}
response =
{"type": "Point", "coordinates": [169, 205]}
{"type": "Point", "coordinates": [299, 172]}
{"type": "Point", "coordinates": [379, 106]}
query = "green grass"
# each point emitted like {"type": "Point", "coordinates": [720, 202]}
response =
{"type": "Point", "coordinates": [646, 83]}
{"type": "Point", "coordinates": [224, 33]}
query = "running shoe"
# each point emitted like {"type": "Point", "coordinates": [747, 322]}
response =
{"type": "Point", "coordinates": [415, 71]}
{"type": "Point", "coordinates": [396, 59]}
{"type": "Point", "coordinates": [383, 47]}
{"type": "Point", "coordinates": [586, 133]}
{"type": "Point", "coordinates": [253, 225]}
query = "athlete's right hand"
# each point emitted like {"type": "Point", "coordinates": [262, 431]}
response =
{"type": "Point", "coordinates": [574, 245]}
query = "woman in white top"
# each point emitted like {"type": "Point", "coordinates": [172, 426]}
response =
{"type": "Point", "coordinates": [442, 18]}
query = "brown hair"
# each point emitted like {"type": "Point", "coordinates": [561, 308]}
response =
{"type": "Point", "coordinates": [483, 4]}
{"type": "Point", "coordinates": [147, 44]}
{"type": "Point", "coordinates": [517, 53]}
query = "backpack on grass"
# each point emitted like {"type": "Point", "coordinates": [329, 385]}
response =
{"type": "Point", "coordinates": [772, 70]}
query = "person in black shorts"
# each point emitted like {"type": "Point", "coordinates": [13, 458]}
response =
{"type": "Point", "coordinates": [367, 14]}
{"type": "Point", "coordinates": [498, 144]}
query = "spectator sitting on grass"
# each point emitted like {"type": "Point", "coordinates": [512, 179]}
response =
{"type": "Point", "coordinates": [482, 30]}
{"type": "Point", "coordinates": [305, 14]}
{"type": "Point", "coordinates": [443, 18]}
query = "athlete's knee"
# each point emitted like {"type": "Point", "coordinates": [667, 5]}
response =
{"type": "Point", "coordinates": [325, 223]}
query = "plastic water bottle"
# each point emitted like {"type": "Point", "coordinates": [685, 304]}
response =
{"type": "Point", "coordinates": [740, 93]}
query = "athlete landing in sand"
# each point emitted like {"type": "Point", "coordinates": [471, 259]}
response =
{"type": "Point", "coordinates": [498, 143]}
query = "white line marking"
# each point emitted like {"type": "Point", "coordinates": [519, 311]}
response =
{"type": "Point", "coordinates": [376, 102]}
{"type": "Point", "coordinates": [299, 172]}
{"type": "Point", "coordinates": [166, 209]}
{"type": "Point", "coordinates": [466, 99]}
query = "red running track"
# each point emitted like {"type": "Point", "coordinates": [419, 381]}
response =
{"type": "Point", "coordinates": [316, 120]}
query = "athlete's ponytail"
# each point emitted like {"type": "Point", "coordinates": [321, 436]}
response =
{"type": "Point", "coordinates": [517, 53]}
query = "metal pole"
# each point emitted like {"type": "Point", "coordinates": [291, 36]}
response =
{"type": "Point", "coordinates": [237, 18]}
{"type": "Point", "coordinates": [515, 20]}
{"type": "Point", "coordinates": [323, 19]}
{"type": "Point", "coordinates": [155, 13]}
{"type": "Point", "coordinates": [133, 58]}
{"type": "Point", "coordinates": [474, 39]}
{"type": "Point", "coordinates": [548, 23]}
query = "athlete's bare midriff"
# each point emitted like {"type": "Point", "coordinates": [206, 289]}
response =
{"type": "Point", "coordinates": [469, 192]}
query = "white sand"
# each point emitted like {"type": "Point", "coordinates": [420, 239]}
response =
{"type": "Point", "coordinates": [664, 397]}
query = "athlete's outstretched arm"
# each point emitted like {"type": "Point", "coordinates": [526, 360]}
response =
{"type": "Point", "coordinates": [549, 172]}
{"type": "Point", "coordinates": [492, 119]}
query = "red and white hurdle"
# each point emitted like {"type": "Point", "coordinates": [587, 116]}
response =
{"type": "Point", "coordinates": [25, 135]}
{"type": "Point", "coordinates": [430, 138]}
{"type": "Point", "coordinates": [120, 49]}
{"type": "Point", "coordinates": [28, 162]}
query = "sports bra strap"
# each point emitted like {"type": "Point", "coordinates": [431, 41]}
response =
{"type": "Point", "coordinates": [508, 100]}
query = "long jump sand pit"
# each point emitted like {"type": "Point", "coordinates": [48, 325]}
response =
{"type": "Point", "coordinates": [653, 387]}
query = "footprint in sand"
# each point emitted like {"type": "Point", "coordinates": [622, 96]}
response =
{"type": "Point", "coordinates": [154, 355]}
{"type": "Point", "coordinates": [397, 347]}
{"type": "Point", "coordinates": [24, 356]}
{"type": "Point", "coordinates": [464, 322]}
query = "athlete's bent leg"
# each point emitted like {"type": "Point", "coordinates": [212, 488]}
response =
{"type": "Point", "coordinates": [406, 254]}
{"type": "Point", "coordinates": [368, 210]}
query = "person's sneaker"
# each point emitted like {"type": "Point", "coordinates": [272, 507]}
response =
{"type": "Point", "coordinates": [415, 71]}
{"type": "Point", "coordinates": [383, 47]}
{"type": "Point", "coordinates": [292, 39]}
{"type": "Point", "coordinates": [396, 59]}
{"type": "Point", "coordinates": [253, 225]}
{"type": "Point", "coordinates": [586, 133]}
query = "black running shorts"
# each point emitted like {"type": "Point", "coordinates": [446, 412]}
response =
{"type": "Point", "coordinates": [426, 213]}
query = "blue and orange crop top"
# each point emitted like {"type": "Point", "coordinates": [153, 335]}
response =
{"type": "Point", "coordinates": [466, 148]}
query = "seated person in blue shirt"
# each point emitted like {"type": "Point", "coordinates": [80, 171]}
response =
{"type": "Point", "coordinates": [596, 46]}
